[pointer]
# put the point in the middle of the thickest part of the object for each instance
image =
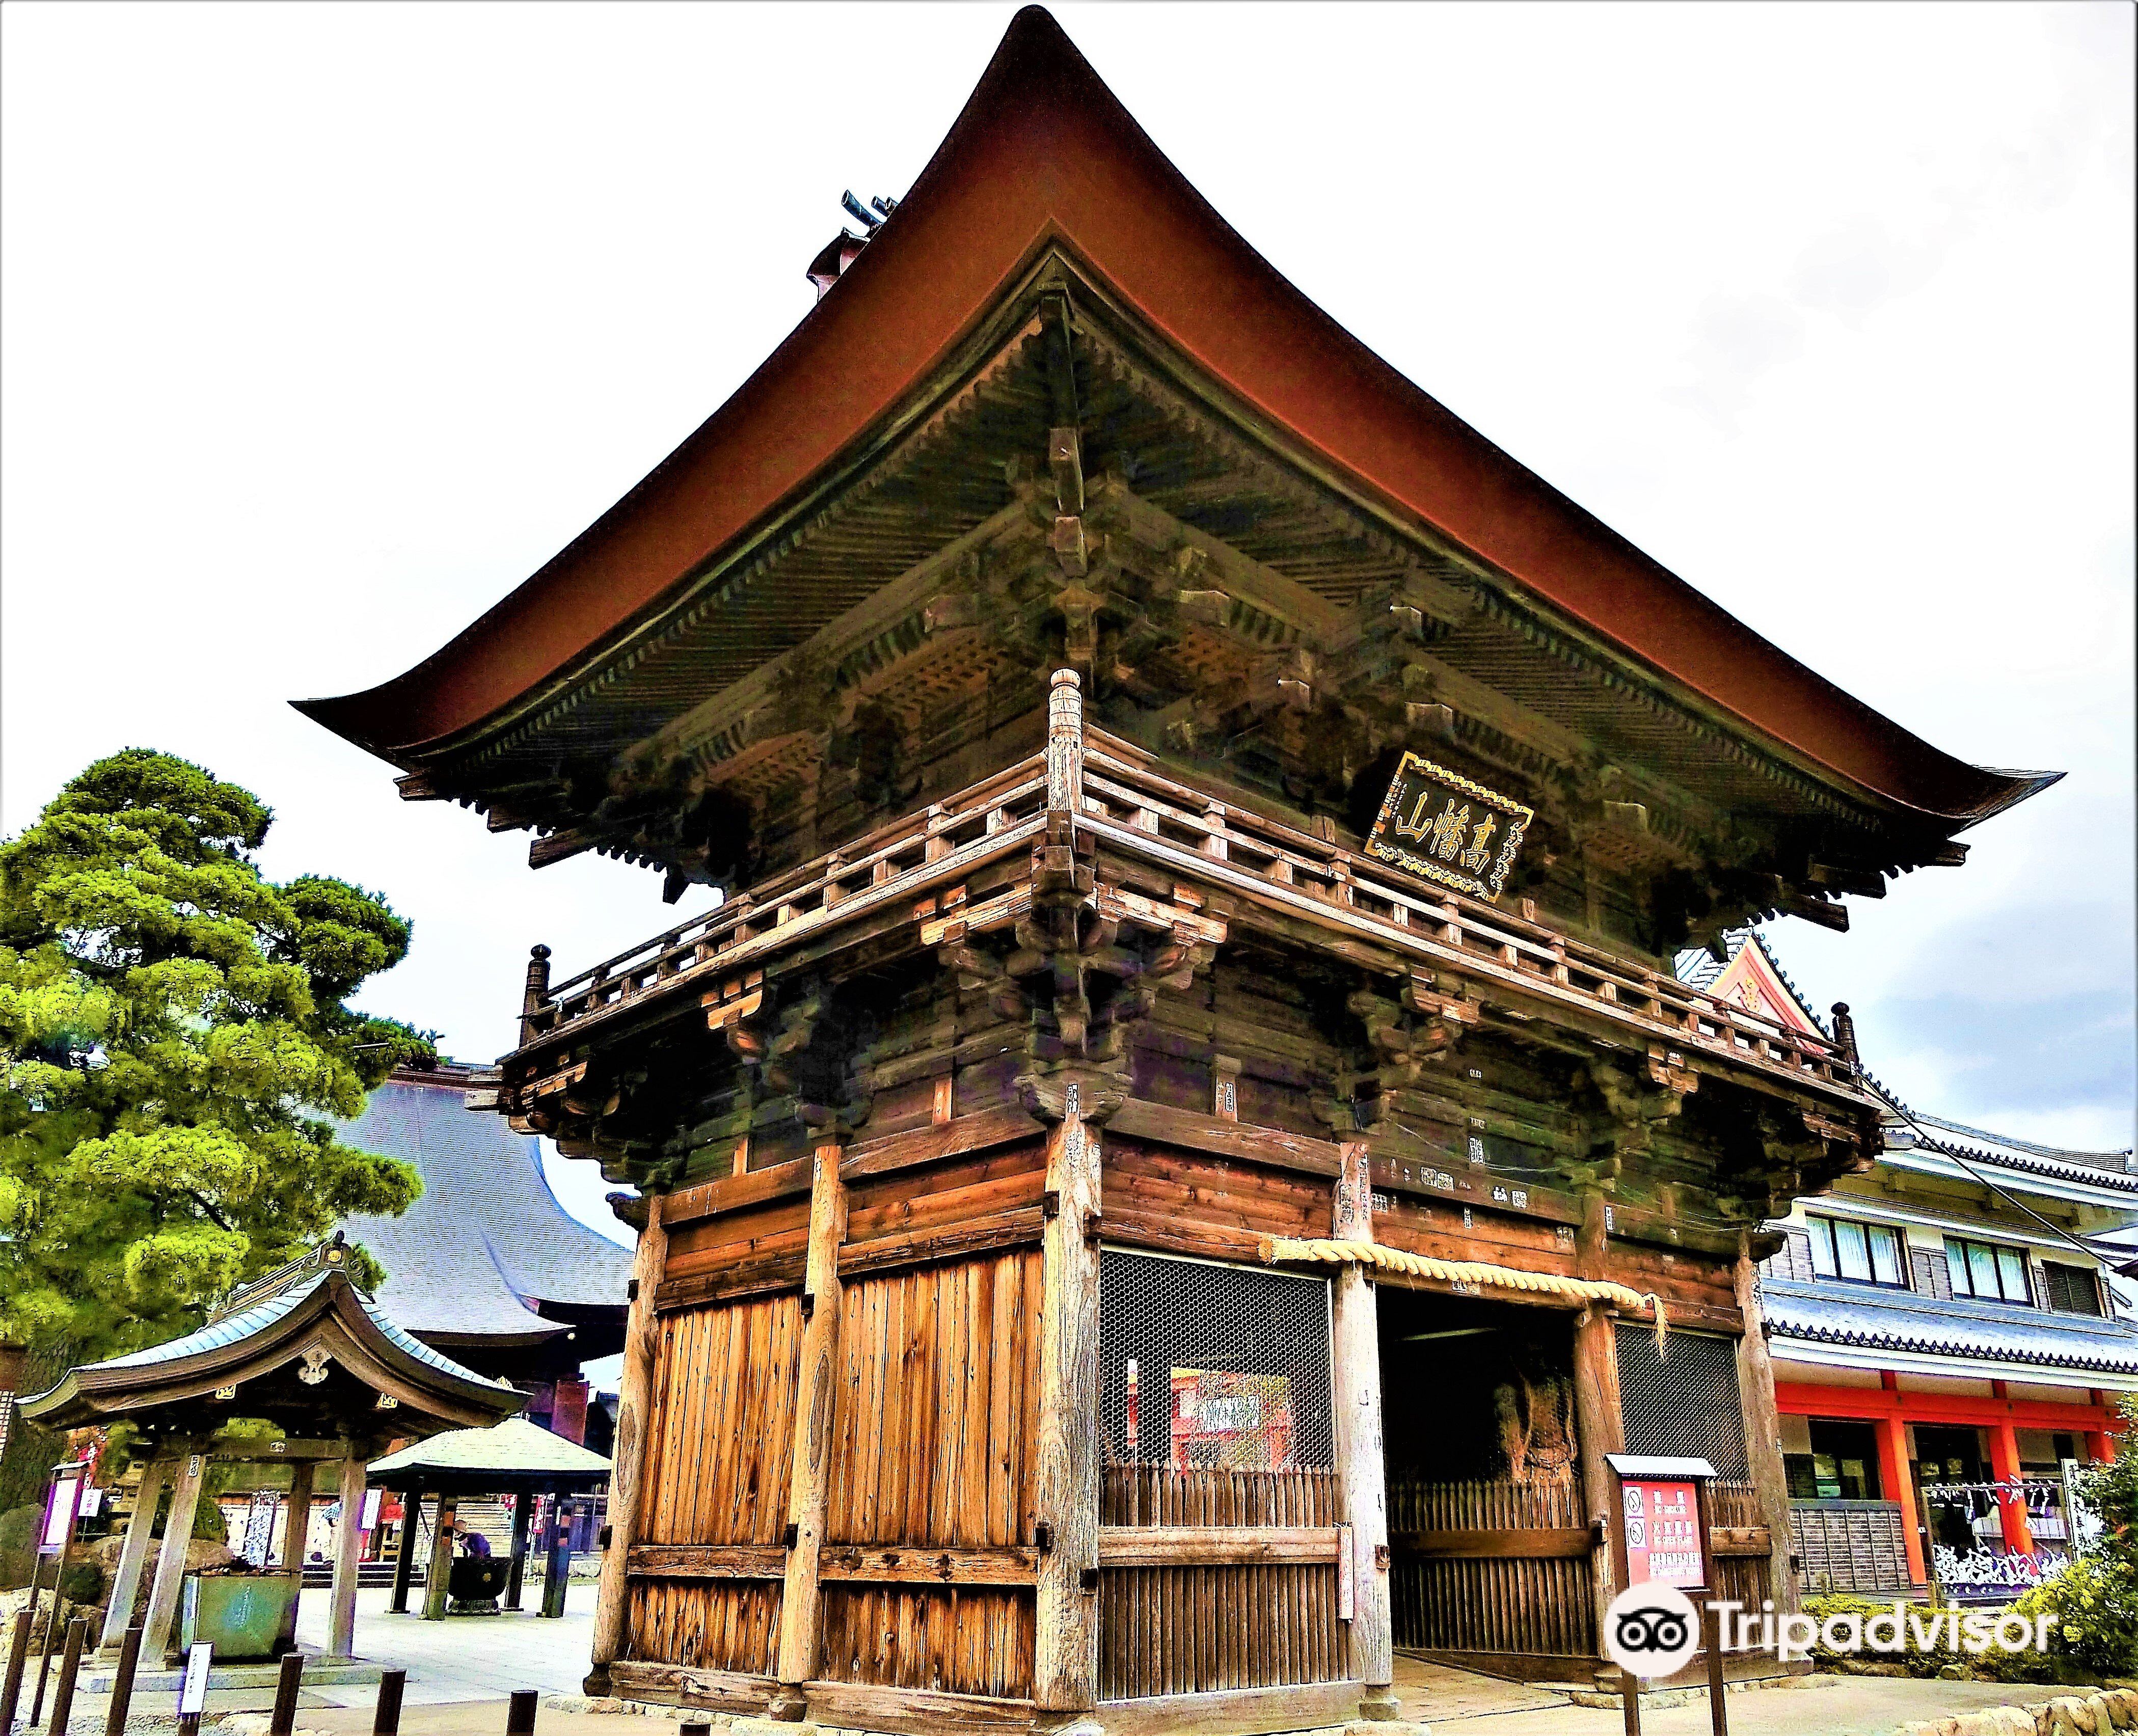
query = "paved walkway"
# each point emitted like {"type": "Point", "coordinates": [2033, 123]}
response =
{"type": "Point", "coordinates": [461, 1669]}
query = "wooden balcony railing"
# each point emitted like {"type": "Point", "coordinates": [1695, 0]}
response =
{"type": "Point", "coordinates": [1129, 807]}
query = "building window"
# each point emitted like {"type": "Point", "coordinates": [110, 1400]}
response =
{"type": "Point", "coordinates": [1843, 1463]}
{"type": "Point", "coordinates": [2071, 1290]}
{"type": "Point", "coordinates": [1987, 1272]}
{"type": "Point", "coordinates": [1860, 1253]}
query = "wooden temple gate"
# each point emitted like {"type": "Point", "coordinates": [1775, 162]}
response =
{"type": "Point", "coordinates": [1143, 1212]}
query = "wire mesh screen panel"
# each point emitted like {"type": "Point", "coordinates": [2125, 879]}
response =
{"type": "Point", "coordinates": [1212, 1368]}
{"type": "Point", "coordinates": [1214, 1413]}
{"type": "Point", "coordinates": [1682, 1400]}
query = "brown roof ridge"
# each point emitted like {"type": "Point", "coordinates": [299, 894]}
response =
{"type": "Point", "coordinates": [1043, 154]}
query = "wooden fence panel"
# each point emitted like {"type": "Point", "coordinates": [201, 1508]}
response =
{"type": "Point", "coordinates": [719, 1440]}
{"type": "Point", "coordinates": [1446, 1601]}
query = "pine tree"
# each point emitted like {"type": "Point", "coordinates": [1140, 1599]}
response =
{"type": "Point", "coordinates": [174, 1033]}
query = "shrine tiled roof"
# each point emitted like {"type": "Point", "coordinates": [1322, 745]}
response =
{"type": "Point", "coordinates": [487, 1242]}
{"type": "Point", "coordinates": [1859, 1315]}
{"type": "Point", "coordinates": [248, 1322]}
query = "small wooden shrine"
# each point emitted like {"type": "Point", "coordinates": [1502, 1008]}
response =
{"type": "Point", "coordinates": [301, 1348]}
{"type": "Point", "coordinates": [514, 1458]}
{"type": "Point", "coordinates": [1181, 1158]}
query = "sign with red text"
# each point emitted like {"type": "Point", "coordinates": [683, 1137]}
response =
{"type": "Point", "coordinates": [1663, 1544]}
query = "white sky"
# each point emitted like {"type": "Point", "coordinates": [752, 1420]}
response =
{"type": "Point", "coordinates": [326, 326]}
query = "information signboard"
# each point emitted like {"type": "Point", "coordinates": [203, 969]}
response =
{"type": "Point", "coordinates": [1662, 1533]}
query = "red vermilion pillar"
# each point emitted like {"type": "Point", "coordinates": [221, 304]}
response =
{"type": "Point", "coordinates": [1894, 1484]}
{"type": "Point", "coordinates": [2005, 1466]}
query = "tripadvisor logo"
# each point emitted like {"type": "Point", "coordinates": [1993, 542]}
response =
{"type": "Point", "coordinates": [1652, 1630]}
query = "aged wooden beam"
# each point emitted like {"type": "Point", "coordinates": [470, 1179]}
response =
{"type": "Point", "coordinates": [1014, 1564]}
{"type": "Point", "coordinates": [708, 1561]}
{"type": "Point", "coordinates": [956, 1138]}
{"type": "Point", "coordinates": [1235, 1711]}
{"type": "Point", "coordinates": [731, 1192]}
{"type": "Point", "coordinates": [1562, 1544]}
{"type": "Point", "coordinates": [1066, 1456]}
{"type": "Point", "coordinates": [914, 1711]}
{"type": "Point", "coordinates": [1600, 1424]}
{"type": "Point", "coordinates": [1225, 1137]}
{"type": "Point", "coordinates": [759, 1275]}
{"type": "Point", "coordinates": [642, 1344]}
{"type": "Point", "coordinates": [1356, 1358]}
{"type": "Point", "coordinates": [133, 1551]}
{"type": "Point", "coordinates": [800, 1608]}
{"type": "Point", "coordinates": [1762, 1429]}
{"type": "Point", "coordinates": [677, 1685]}
{"type": "Point", "coordinates": [1185, 1546]}
{"type": "Point", "coordinates": [1016, 1228]}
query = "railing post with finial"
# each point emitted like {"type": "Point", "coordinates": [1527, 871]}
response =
{"type": "Point", "coordinates": [1844, 1037]}
{"type": "Point", "coordinates": [537, 996]}
{"type": "Point", "coordinates": [1065, 757]}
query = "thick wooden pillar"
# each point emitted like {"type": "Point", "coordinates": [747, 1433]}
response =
{"type": "Point", "coordinates": [436, 1582]}
{"type": "Point", "coordinates": [171, 1559]}
{"type": "Point", "coordinates": [642, 1342]}
{"type": "Point", "coordinates": [404, 1557]}
{"type": "Point", "coordinates": [800, 1608]}
{"type": "Point", "coordinates": [523, 1511]}
{"type": "Point", "coordinates": [1064, 1674]}
{"type": "Point", "coordinates": [126, 1581]}
{"type": "Point", "coordinates": [1763, 1430]}
{"type": "Point", "coordinates": [1360, 1462]}
{"type": "Point", "coordinates": [348, 1555]}
{"type": "Point", "coordinates": [1599, 1422]}
{"type": "Point", "coordinates": [297, 1517]}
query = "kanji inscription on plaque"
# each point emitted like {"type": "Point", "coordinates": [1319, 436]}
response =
{"type": "Point", "coordinates": [1444, 827]}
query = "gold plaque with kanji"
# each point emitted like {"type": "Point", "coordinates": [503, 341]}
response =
{"type": "Point", "coordinates": [1443, 826]}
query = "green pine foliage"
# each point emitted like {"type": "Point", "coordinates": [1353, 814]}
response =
{"type": "Point", "coordinates": [174, 1033]}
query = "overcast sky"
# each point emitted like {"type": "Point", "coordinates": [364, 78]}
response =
{"type": "Point", "coordinates": [326, 326]}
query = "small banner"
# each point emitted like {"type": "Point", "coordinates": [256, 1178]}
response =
{"type": "Point", "coordinates": [1443, 827]}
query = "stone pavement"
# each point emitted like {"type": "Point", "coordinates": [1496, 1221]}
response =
{"type": "Point", "coordinates": [461, 1669]}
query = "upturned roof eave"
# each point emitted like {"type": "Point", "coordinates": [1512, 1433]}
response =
{"type": "Point", "coordinates": [1043, 152]}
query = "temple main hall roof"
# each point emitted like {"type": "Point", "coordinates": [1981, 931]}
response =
{"type": "Point", "coordinates": [596, 647]}
{"type": "Point", "coordinates": [487, 1244]}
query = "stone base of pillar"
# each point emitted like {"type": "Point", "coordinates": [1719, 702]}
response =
{"type": "Point", "coordinates": [1379, 1705]}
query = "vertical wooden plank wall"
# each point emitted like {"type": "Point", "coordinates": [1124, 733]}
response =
{"type": "Point", "coordinates": [719, 1449]}
{"type": "Point", "coordinates": [931, 1482]}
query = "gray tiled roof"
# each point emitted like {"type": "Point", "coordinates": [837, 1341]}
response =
{"type": "Point", "coordinates": [248, 1322]}
{"type": "Point", "coordinates": [1848, 1314]}
{"type": "Point", "coordinates": [515, 1445]}
{"type": "Point", "coordinates": [487, 1239]}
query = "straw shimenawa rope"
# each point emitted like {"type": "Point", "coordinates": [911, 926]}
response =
{"type": "Point", "coordinates": [1320, 1251]}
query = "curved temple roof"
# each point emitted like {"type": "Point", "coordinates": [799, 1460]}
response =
{"type": "Point", "coordinates": [1044, 154]}
{"type": "Point", "coordinates": [257, 1355]}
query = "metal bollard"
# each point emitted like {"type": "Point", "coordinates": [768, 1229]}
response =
{"type": "Point", "coordinates": [519, 1715]}
{"type": "Point", "coordinates": [18, 1657]}
{"type": "Point", "coordinates": [286, 1684]}
{"type": "Point", "coordinates": [1718, 1711]}
{"type": "Point", "coordinates": [122, 1683]}
{"type": "Point", "coordinates": [69, 1669]}
{"type": "Point", "coordinates": [386, 1721]}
